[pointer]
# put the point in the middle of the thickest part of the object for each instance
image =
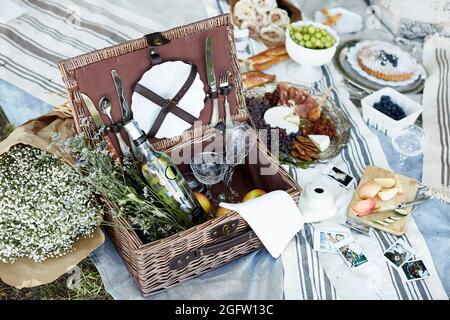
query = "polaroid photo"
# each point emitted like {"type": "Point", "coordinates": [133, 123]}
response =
{"type": "Point", "coordinates": [398, 253]}
{"type": "Point", "coordinates": [351, 252]}
{"type": "Point", "coordinates": [324, 240]}
{"type": "Point", "coordinates": [415, 270]}
{"type": "Point", "coordinates": [339, 176]}
{"type": "Point", "coordinates": [355, 225]}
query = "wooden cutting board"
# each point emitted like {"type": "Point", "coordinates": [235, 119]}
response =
{"type": "Point", "coordinates": [410, 187]}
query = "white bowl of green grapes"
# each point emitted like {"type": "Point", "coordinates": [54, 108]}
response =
{"type": "Point", "coordinates": [310, 44]}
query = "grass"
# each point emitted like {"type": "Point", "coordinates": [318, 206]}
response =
{"type": "Point", "coordinates": [5, 126]}
{"type": "Point", "coordinates": [90, 288]}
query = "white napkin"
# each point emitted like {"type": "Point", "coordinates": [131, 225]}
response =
{"type": "Point", "coordinates": [274, 217]}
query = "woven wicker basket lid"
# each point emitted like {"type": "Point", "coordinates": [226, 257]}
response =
{"type": "Point", "coordinates": [91, 73]}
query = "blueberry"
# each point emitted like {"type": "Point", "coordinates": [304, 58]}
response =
{"type": "Point", "coordinates": [385, 98]}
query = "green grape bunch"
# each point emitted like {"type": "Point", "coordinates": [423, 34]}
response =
{"type": "Point", "coordinates": [311, 37]}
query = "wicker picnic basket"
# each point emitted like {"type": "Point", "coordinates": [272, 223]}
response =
{"type": "Point", "coordinates": [167, 262]}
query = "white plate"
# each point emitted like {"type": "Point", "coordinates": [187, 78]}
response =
{"type": "Point", "coordinates": [352, 58]}
{"type": "Point", "coordinates": [166, 79]}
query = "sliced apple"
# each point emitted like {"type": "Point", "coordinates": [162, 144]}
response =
{"type": "Point", "coordinates": [388, 194]}
{"type": "Point", "coordinates": [385, 182]}
{"type": "Point", "coordinates": [368, 190]}
{"type": "Point", "coordinates": [399, 186]}
{"type": "Point", "coordinates": [364, 207]}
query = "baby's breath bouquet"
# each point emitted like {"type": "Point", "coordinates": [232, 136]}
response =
{"type": "Point", "coordinates": [45, 205]}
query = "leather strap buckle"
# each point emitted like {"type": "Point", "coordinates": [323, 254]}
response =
{"type": "Point", "coordinates": [156, 39]}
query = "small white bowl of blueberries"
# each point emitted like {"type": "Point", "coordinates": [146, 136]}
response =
{"type": "Point", "coordinates": [389, 111]}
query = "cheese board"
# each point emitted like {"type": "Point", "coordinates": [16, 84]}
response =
{"type": "Point", "coordinates": [408, 193]}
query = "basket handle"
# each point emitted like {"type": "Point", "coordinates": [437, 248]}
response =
{"type": "Point", "coordinates": [182, 260]}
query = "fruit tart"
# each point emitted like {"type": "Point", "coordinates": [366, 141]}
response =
{"type": "Point", "coordinates": [386, 61]}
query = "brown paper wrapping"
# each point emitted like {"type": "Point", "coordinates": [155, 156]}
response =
{"type": "Point", "coordinates": [26, 272]}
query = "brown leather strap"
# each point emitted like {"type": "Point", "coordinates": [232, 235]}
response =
{"type": "Point", "coordinates": [169, 105]}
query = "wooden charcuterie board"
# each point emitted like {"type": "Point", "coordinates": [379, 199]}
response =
{"type": "Point", "coordinates": [410, 188]}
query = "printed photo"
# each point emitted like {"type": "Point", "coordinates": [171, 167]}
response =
{"type": "Point", "coordinates": [351, 252]}
{"type": "Point", "coordinates": [339, 176]}
{"type": "Point", "coordinates": [415, 270]}
{"type": "Point", "coordinates": [324, 240]}
{"type": "Point", "coordinates": [398, 253]}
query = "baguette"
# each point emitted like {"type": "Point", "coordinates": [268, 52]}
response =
{"type": "Point", "coordinates": [252, 79]}
{"type": "Point", "coordinates": [264, 59]}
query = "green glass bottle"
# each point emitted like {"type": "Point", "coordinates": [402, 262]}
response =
{"type": "Point", "coordinates": [163, 177]}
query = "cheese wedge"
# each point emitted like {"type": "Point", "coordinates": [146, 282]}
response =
{"type": "Point", "coordinates": [322, 142]}
{"type": "Point", "coordinates": [282, 117]}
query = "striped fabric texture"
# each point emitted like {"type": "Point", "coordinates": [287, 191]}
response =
{"type": "Point", "coordinates": [50, 31]}
{"type": "Point", "coordinates": [436, 115]}
{"type": "Point", "coordinates": [313, 275]}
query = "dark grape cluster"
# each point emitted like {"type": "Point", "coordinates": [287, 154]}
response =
{"type": "Point", "coordinates": [285, 141]}
{"type": "Point", "coordinates": [257, 107]}
{"type": "Point", "coordinates": [390, 108]}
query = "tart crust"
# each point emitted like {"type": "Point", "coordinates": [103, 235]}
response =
{"type": "Point", "coordinates": [382, 75]}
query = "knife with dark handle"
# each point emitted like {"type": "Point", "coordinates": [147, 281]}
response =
{"type": "Point", "coordinates": [211, 77]}
{"type": "Point", "coordinates": [95, 115]}
{"type": "Point", "coordinates": [124, 106]}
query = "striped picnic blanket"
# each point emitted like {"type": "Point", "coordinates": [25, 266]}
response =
{"type": "Point", "coordinates": [52, 30]}
{"type": "Point", "coordinates": [436, 102]}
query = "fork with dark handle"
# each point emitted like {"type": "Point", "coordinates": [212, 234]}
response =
{"type": "Point", "coordinates": [105, 106]}
{"type": "Point", "coordinates": [225, 90]}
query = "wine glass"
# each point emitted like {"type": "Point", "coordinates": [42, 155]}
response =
{"type": "Point", "coordinates": [209, 168]}
{"type": "Point", "coordinates": [239, 141]}
{"type": "Point", "coordinates": [409, 142]}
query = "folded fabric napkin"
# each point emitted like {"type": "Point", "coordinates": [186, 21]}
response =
{"type": "Point", "coordinates": [274, 217]}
